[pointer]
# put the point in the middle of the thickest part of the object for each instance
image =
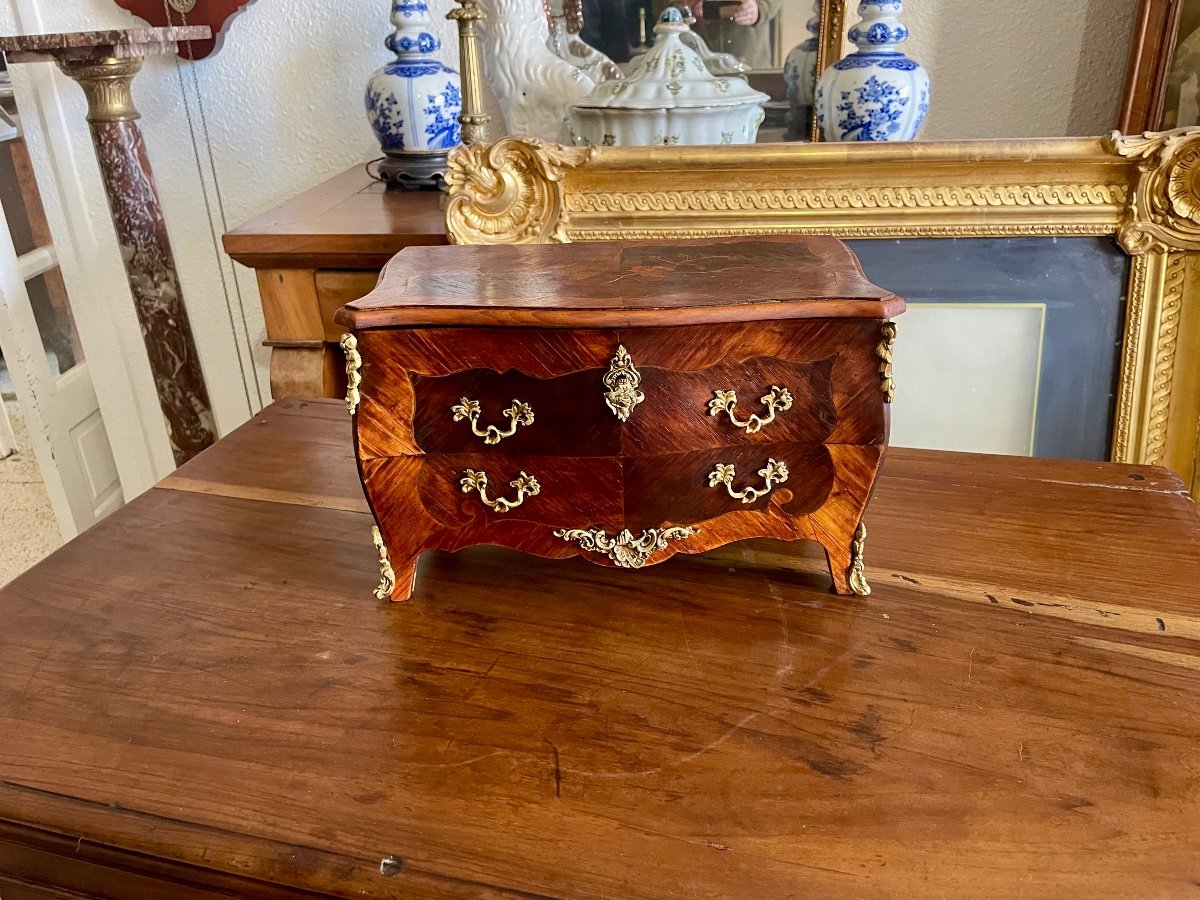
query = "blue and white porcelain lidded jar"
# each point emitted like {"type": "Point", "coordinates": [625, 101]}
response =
{"type": "Point", "coordinates": [414, 101]}
{"type": "Point", "coordinates": [876, 93]}
{"type": "Point", "coordinates": [800, 76]}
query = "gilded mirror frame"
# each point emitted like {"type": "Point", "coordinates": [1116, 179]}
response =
{"type": "Point", "coordinates": [1144, 190]}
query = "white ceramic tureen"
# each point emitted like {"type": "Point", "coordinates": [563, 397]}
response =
{"type": "Point", "coordinates": [717, 63]}
{"type": "Point", "coordinates": [669, 97]}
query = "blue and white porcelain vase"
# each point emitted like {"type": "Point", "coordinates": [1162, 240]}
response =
{"type": "Point", "coordinates": [800, 76]}
{"type": "Point", "coordinates": [876, 93]}
{"type": "Point", "coordinates": [414, 102]}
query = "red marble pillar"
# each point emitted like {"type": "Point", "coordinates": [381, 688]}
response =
{"type": "Point", "coordinates": [104, 64]}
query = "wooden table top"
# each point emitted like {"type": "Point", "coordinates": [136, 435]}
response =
{"type": "Point", "coordinates": [350, 221]}
{"type": "Point", "coordinates": [202, 686]}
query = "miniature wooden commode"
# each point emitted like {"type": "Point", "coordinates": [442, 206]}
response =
{"type": "Point", "coordinates": [624, 401]}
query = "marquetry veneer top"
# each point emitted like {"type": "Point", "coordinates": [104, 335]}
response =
{"type": "Point", "coordinates": [622, 283]}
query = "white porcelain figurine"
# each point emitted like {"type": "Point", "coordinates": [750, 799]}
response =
{"type": "Point", "coordinates": [565, 18]}
{"type": "Point", "coordinates": [533, 86]}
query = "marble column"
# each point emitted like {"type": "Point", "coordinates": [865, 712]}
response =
{"type": "Point", "coordinates": [104, 65]}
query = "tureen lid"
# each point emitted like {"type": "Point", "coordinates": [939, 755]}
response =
{"type": "Point", "coordinates": [671, 74]}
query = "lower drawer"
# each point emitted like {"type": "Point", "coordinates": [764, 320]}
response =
{"type": "Point", "coordinates": [472, 491]}
{"type": "Point", "coordinates": [689, 488]}
{"type": "Point", "coordinates": [469, 491]}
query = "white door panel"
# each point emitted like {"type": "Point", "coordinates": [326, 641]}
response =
{"type": "Point", "coordinates": [66, 430]}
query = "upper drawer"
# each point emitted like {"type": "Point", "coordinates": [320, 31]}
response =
{"type": "Point", "coordinates": [481, 411]}
{"type": "Point", "coordinates": [761, 400]}
{"type": "Point", "coordinates": [834, 361]}
{"type": "Point", "coordinates": [412, 379]}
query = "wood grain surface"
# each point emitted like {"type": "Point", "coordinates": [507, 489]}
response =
{"type": "Point", "coordinates": [1155, 35]}
{"type": "Point", "coordinates": [593, 471]}
{"type": "Point", "coordinates": [199, 697]}
{"type": "Point", "coordinates": [350, 221]}
{"type": "Point", "coordinates": [609, 284]}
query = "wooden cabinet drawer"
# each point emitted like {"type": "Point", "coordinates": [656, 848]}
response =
{"type": "Point", "coordinates": [849, 346]}
{"type": "Point", "coordinates": [677, 414]}
{"type": "Point", "coordinates": [676, 487]}
{"type": "Point", "coordinates": [563, 416]}
{"type": "Point", "coordinates": [396, 417]}
{"type": "Point", "coordinates": [567, 489]}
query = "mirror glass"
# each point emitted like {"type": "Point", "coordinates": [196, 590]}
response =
{"type": "Point", "coordinates": [997, 71]}
{"type": "Point", "coordinates": [760, 34]}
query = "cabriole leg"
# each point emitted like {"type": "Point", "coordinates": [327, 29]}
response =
{"type": "Point", "coordinates": [857, 576]}
{"type": "Point", "coordinates": [846, 564]}
{"type": "Point", "coordinates": [396, 585]}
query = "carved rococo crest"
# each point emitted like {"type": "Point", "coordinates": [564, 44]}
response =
{"type": "Point", "coordinates": [510, 192]}
{"type": "Point", "coordinates": [1164, 210]}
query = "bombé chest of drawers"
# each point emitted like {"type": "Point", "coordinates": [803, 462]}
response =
{"type": "Point", "coordinates": [625, 401]}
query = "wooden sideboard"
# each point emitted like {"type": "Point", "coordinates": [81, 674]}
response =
{"type": "Point", "coordinates": [317, 252]}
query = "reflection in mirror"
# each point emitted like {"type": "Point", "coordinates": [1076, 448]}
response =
{"type": "Point", "coordinates": [671, 96]}
{"type": "Point", "coordinates": [565, 19]}
{"type": "Point", "coordinates": [1182, 104]}
{"type": "Point", "coordinates": [750, 38]}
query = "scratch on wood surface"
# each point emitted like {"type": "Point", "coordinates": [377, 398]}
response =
{"type": "Point", "coordinates": [738, 726]}
{"type": "Point", "coordinates": [454, 765]}
{"type": "Point", "coordinates": [970, 665]}
{"type": "Point", "coordinates": [687, 640]}
{"type": "Point", "coordinates": [1108, 615]}
{"type": "Point", "coordinates": [1178, 491]}
{"type": "Point", "coordinates": [273, 495]}
{"type": "Point", "coordinates": [557, 768]}
{"type": "Point", "coordinates": [730, 732]}
{"type": "Point", "coordinates": [1169, 657]}
{"type": "Point", "coordinates": [785, 666]}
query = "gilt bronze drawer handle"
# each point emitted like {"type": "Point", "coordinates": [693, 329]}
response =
{"type": "Point", "coordinates": [526, 485]}
{"type": "Point", "coordinates": [625, 550]}
{"type": "Point", "coordinates": [777, 400]}
{"type": "Point", "coordinates": [773, 473]}
{"type": "Point", "coordinates": [519, 414]}
{"type": "Point", "coordinates": [622, 381]}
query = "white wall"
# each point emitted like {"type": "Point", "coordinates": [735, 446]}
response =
{"type": "Point", "coordinates": [1021, 68]}
{"type": "Point", "coordinates": [283, 104]}
{"type": "Point", "coordinates": [284, 110]}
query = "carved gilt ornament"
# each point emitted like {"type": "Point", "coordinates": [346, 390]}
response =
{"type": "Point", "coordinates": [509, 192]}
{"type": "Point", "coordinates": [1144, 190]}
{"type": "Point", "coordinates": [1164, 210]}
